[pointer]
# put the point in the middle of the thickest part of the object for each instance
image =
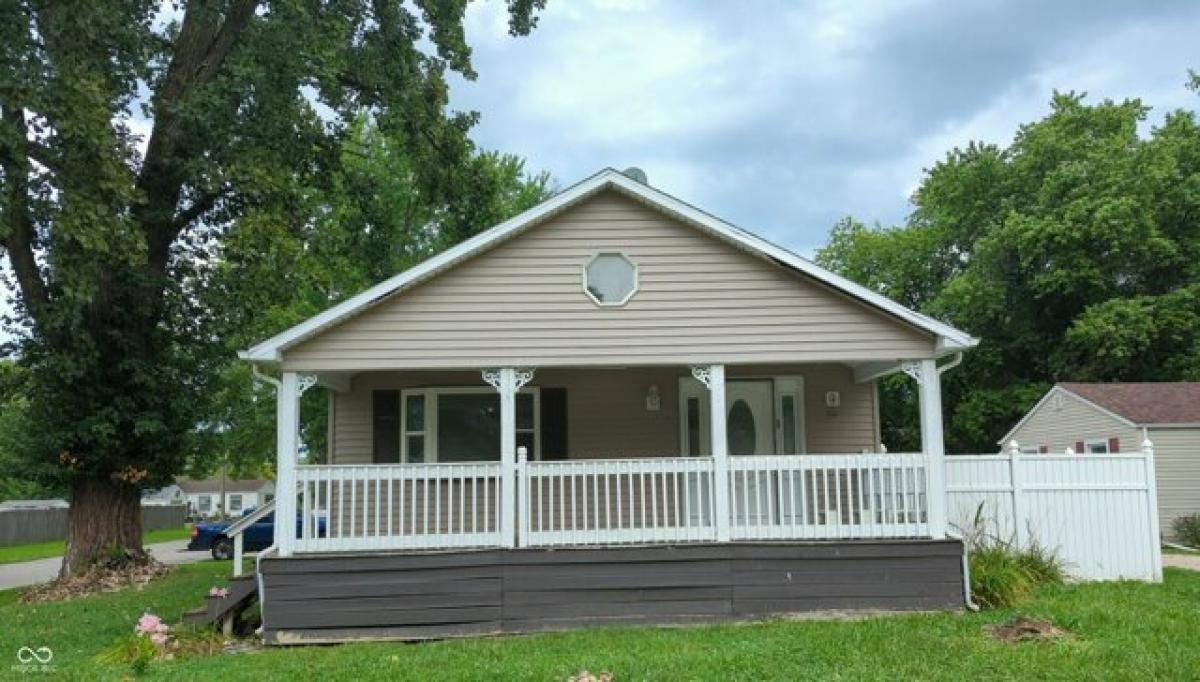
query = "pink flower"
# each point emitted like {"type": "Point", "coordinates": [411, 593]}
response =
{"type": "Point", "coordinates": [159, 638]}
{"type": "Point", "coordinates": [149, 623]}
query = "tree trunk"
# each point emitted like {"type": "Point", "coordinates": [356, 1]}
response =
{"type": "Point", "coordinates": [105, 519]}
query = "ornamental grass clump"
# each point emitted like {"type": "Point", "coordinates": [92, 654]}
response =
{"type": "Point", "coordinates": [1004, 574]}
{"type": "Point", "coordinates": [1187, 530]}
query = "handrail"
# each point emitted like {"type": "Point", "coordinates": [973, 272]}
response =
{"type": "Point", "coordinates": [237, 529]}
{"type": "Point", "coordinates": [246, 521]}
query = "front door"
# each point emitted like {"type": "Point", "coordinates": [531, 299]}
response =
{"type": "Point", "coordinates": [750, 422]}
{"type": "Point", "coordinates": [750, 430]}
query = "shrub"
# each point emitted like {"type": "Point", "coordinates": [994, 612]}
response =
{"type": "Point", "coordinates": [1003, 574]}
{"type": "Point", "coordinates": [1187, 530]}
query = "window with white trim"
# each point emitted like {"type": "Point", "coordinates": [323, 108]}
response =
{"type": "Point", "coordinates": [1095, 446]}
{"type": "Point", "coordinates": [456, 424]}
{"type": "Point", "coordinates": [610, 279]}
{"type": "Point", "coordinates": [235, 502]}
{"type": "Point", "coordinates": [204, 503]}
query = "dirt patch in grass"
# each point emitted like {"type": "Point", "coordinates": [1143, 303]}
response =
{"type": "Point", "coordinates": [107, 576]}
{"type": "Point", "coordinates": [1026, 630]}
{"type": "Point", "coordinates": [585, 676]}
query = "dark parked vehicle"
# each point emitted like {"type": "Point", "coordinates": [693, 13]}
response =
{"type": "Point", "coordinates": [258, 536]}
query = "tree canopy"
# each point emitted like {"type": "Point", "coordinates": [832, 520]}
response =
{"type": "Point", "coordinates": [1073, 254]}
{"type": "Point", "coordinates": [367, 221]}
{"type": "Point", "coordinates": [135, 141]}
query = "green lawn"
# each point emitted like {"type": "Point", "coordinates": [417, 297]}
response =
{"type": "Point", "coordinates": [1120, 631]}
{"type": "Point", "coordinates": [42, 550]}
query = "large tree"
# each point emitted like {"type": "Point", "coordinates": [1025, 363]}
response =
{"type": "Point", "coordinates": [131, 137]}
{"type": "Point", "coordinates": [366, 221]}
{"type": "Point", "coordinates": [1073, 253]}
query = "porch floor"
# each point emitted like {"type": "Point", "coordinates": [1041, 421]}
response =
{"type": "Point", "coordinates": [327, 597]}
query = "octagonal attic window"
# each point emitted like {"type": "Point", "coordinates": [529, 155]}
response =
{"type": "Point", "coordinates": [610, 278]}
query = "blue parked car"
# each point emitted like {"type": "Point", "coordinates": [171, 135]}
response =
{"type": "Point", "coordinates": [259, 536]}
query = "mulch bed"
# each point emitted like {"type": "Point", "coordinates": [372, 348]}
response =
{"type": "Point", "coordinates": [1026, 630]}
{"type": "Point", "coordinates": [105, 576]}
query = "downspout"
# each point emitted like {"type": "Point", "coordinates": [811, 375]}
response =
{"type": "Point", "coordinates": [966, 560]}
{"type": "Point", "coordinates": [952, 364]}
{"type": "Point", "coordinates": [262, 593]}
{"type": "Point", "coordinates": [966, 571]}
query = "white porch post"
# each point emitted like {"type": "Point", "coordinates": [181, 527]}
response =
{"type": "Point", "coordinates": [287, 423]}
{"type": "Point", "coordinates": [929, 386]}
{"type": "Point", "coordinates": [507, 381]}
{"type": "Point", "coordinates": [713, 376]}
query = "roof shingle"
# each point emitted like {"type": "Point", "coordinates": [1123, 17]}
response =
{"type": "Point", "coordinates": [1176, 402]}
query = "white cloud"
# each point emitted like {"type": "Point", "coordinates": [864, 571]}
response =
{"type": "Point", "coordinates": [783, 117]}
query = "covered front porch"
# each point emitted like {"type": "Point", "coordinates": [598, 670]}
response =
{"type": "Point", "coordinates": [518, 456]}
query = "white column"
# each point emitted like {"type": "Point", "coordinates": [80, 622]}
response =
{"type": "Point", "coordinates": [508, 454]}
{"type": "Point", "coordinates": [507, 381]}
{"type": "Point", "coordinates": [933, 445]}
{"type": "Point", "coordinates": [287, 423]}
{"type": "Point", "coordinates": [713, 376]}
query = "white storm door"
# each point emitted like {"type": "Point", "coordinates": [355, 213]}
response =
{"type": "Point", "coordinates": [750, 429]}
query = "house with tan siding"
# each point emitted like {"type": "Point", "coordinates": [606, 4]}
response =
{"type": "Point", "coordinates": [1104, 418]}
{"type": "Point", "coordinates": [614, 407]}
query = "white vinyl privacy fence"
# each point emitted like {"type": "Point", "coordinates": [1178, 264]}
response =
{"type": "Point", "coordinates": [1098, 512]}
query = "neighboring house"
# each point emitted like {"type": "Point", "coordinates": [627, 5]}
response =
{"type": "Point", "coordinates": [1117, 417]}
{"type": "Point", "coordinates": [167, 495]}
{"type": "Point", "coordinates": [617, 375]}
{"type": "Point", "coordinates": [204, 496]}
{"type": "Point", "coordinates": [34, 504]}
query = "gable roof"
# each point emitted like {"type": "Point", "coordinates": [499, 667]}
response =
{"type": "Point", "coordinates": [1176, 402]}
{"type": "Point", "coordinates": [1136, 404]}
{"type": "Point", "coordinates": [949, 338]}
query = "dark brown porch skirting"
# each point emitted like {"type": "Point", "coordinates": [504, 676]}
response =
{"type": "Point", "coordinates": [346, 597]}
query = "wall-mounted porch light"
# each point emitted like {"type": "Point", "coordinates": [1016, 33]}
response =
{"type": "Point", "coordinates": [653, 399]}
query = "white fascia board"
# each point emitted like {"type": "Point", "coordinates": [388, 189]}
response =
{"type": "Point", "coordinates": [949, 339]}
{"type": "Point", "coordinates": [269, 350]}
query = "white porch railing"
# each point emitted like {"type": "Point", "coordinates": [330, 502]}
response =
{"type": "Point", "coordinates": [824, 497]}
{"type": "Point", "coordinates": [594, 502]}
{"type": "Point", "coordinates": [615, 501]}
{"type": "Point", "coordinates": [399, 506]}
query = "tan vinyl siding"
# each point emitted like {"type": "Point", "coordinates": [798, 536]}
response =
{"type": "Point", "coordinates": [699, 300]}
{"type": "Point", "coordinates": [1060, 426]}
{"type": "Point", "coordinates": [1177, 472]}
{"type": "Point", "coordinates": [606, 415]}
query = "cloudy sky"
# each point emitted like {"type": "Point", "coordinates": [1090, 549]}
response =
{"type": "Point", "coordinates": [783, 116]}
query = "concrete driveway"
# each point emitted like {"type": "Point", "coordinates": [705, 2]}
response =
{"type": "Point", "coordinates": [1189, 561]}
{"type": "Point", "coordinates": [44, 570]}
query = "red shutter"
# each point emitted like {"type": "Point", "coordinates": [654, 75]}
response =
{"type": "Point", "coordinates": [1043, 449]}
{"type": "Point", "coordinates": [1114, 445]}
{"type": "Point", "coordinates": [1079, 447]}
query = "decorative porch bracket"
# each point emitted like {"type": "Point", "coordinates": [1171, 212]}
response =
{"type": "Point", "coordinates": [929, 388]}
{"type": "Point", "coordinates": [713, 377]}
{"type": "Point", "coordinates": [508, 381]}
